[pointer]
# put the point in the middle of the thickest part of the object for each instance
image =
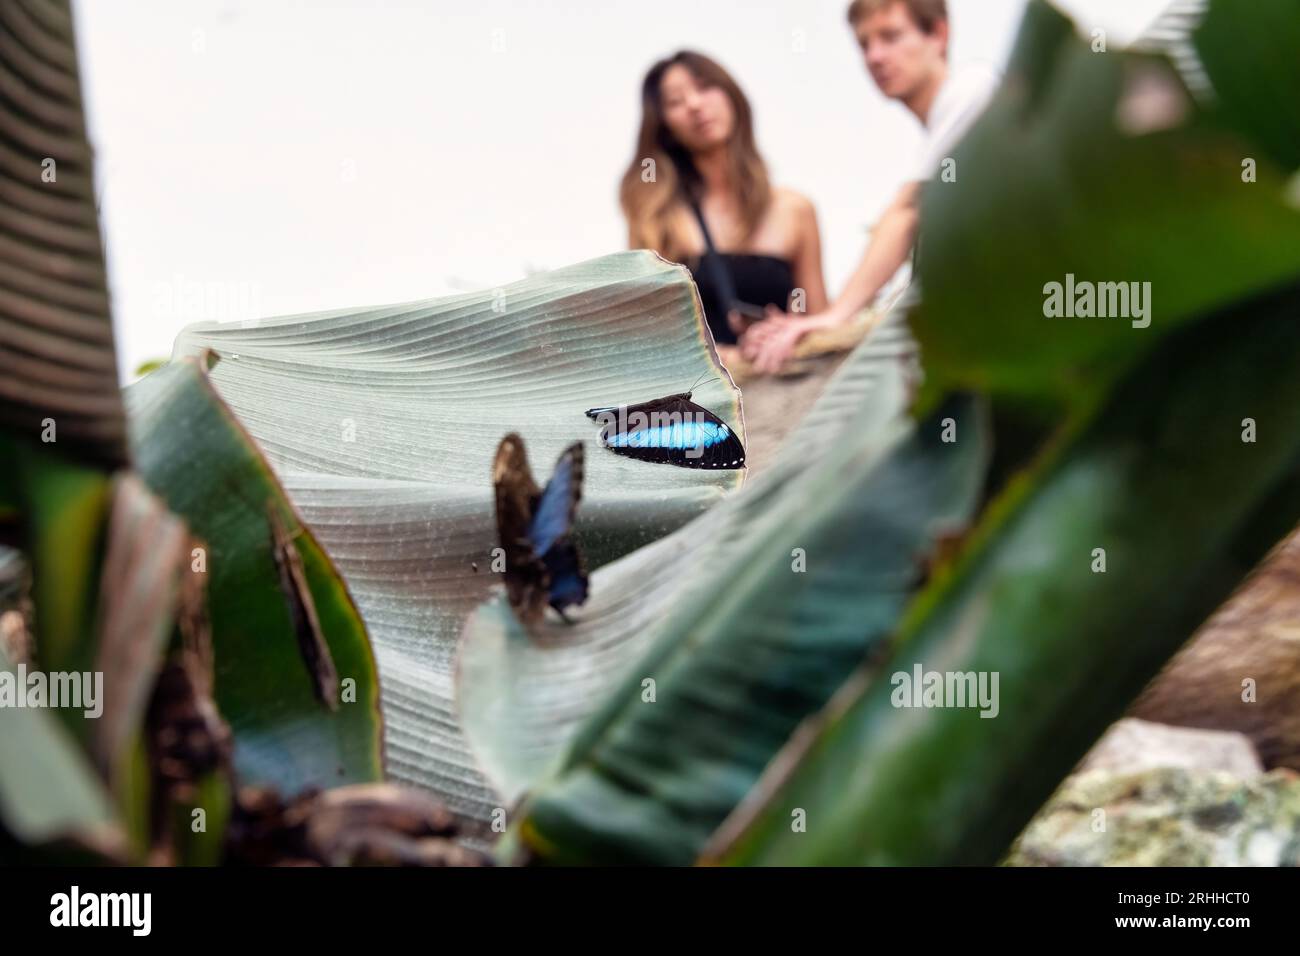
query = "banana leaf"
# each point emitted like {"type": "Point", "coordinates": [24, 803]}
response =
{"type": "Point", "coordinates": [382, 424]}
{"type": "Point", "coordinates": [1103, 168]}
{"type": "Point", "coordinates": [745, 621]}
{"type": "Point", "coordinates": [48, 789]}
{"type": "Point", "coordinates": [521, 700]}
{"type": "Point", "coordinates": [1161, 480]}
{"type": "Point", "coordinates": [1154, 474]}
{"type": "Point", "coordinates": [193, 454]}
{"type": "Point", "coordinates": [1250, 54]}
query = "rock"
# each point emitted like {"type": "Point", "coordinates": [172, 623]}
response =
{"type": "Point", "coordinates": [1171, 816]}
{"type": "Point", "coordinates": [1132, 745]}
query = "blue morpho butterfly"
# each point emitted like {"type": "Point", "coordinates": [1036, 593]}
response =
{"type": "Point", "coordinates": [543, 563]}
{"type": "Point", "coordinates": [672, 430]}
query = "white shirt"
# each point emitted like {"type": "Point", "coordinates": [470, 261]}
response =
{"type": "Point", "coordinates": [961, 99]}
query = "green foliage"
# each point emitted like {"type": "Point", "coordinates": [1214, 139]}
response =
{"type": "Point", "coordinates": [48, 790]}
{"type": "Point", "coordinates": [193, 453]}
{"type": "Point", "coordinates": [1161, 480]}
{"type": "Point", "coordinates": [1151, 471]}
{"type": "Point", "coordinates": [1252, 55]}
{"type": "Point", "coordinates": [1102, 167]}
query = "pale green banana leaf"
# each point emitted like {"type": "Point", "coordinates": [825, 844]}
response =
{"type": "Point", "coordinates": [522, 700]}
{"type": "Point", "coordinates": [741, 624]}
{"type": "Point", "coordinates": [382, 425]}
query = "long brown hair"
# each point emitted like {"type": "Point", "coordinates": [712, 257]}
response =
{"type": "Point", "coordinates": [649, 205]}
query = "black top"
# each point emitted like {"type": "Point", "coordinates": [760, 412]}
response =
{"type": "Point", "coordinates": [759, 280]}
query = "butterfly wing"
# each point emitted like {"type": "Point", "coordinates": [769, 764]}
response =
{"type": "Point", "coordinates": [543, 562]}
{"type": "Point", "coordinates": [558, 504]}
{"type": "Point", "coordinates": [517, 494]}
{"type": "Point", "coordinates": [671, 430]}
{"type": "Point", "coordinates": [612, 413]}
{"type": "Point", "coordinates": [551, 531]}
{"type": "Point", "coordinates": [718, 446]}
{"type": "Point", "coordinates": [568, 575]}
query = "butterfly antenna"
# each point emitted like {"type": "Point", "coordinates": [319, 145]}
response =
{"type": "Point", "coordinates": [698, 381]}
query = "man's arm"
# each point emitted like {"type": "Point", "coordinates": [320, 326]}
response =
{"type": "Point", "coordinates": [890, 245]}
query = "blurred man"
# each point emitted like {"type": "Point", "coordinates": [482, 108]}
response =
{"type": "Point", "coordinates": [905, 47]}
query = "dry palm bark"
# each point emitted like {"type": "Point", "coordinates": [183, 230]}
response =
{"type": "Point", "coordinates": [1241, 671]}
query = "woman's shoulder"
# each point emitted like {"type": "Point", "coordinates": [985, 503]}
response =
{"type": "Point", "coordinates": [791, 202]}
{"type": "Point", "coordinates": [791, 199]}
{"type": "Point", "coordinates": [795, 211]}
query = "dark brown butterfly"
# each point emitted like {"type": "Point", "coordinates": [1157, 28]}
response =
{"type": "Point", "coordinates": [672, 430]}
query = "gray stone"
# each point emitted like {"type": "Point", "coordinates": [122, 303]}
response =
{"type": "Point", "coordinates": [1131, 745]}
{"type": "Point", "coordinates": [1170, 816]}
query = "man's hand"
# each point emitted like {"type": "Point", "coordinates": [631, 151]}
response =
{"type": "Point", "coordinates": [756, 334]}
{"type": "Point", "coordinates": [776, 346]}
{"type": "Point", "coordinates": [771, 343]}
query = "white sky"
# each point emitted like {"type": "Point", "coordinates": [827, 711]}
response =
{"type": "Point", "coordinates": [270, 157]}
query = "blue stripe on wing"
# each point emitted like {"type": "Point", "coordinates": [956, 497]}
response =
{"type": "Point", "coordinates": [678, 435]}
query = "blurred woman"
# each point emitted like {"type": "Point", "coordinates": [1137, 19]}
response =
{"type": "Point", "coordinates": [697, 192]}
